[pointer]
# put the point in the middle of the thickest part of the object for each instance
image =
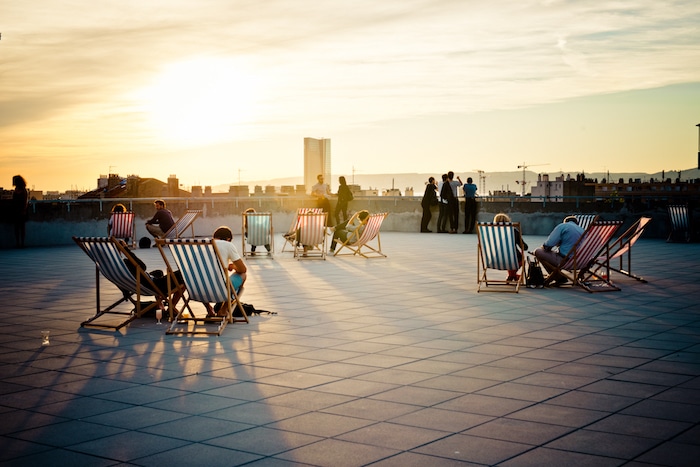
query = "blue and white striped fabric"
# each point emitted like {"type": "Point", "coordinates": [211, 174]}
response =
{"type": "Point", "coordinates": [259, 225]}
{"type": "Point", "coordinates": [205, 276]}
{"type": "Point", "coordinates": [110, 262]}
{"type": "Point", "coordinates": [498, 246]}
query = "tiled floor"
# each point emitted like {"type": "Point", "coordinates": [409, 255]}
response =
{"type": "Point", "coordinates": [388, 362]}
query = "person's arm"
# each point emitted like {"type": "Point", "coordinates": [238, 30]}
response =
{"type": "Point", "coordinates": [238, 266]}
{"type": "Point", "coordinates": [554, 238]}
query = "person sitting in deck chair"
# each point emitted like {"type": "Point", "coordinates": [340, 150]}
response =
{"type": "Point", "coordinates": [161, 221]}
{"type": "Point", "coordinates": [343, 230]}
{"type": "Point", "coordinates": [558, 244]}
{"type": "Point", "coordinates": [223, 237]}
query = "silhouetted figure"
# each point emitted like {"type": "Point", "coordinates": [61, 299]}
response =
{"type": "Point", "coordinates": [20, 204]}
{"type": "Point", "coordinates": [344, 197]}
{"type": "Point", "coordinates": [429, 200]}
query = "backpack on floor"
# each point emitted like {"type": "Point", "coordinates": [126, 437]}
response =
{"type": "Point", "coordinates": [534, 278]}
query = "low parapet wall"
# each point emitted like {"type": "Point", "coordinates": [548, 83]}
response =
{"type": "Point", "coordinates": [55, 222]}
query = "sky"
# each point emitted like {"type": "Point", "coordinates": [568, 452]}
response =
{"type": "Point", "coordinates": [222, 91]}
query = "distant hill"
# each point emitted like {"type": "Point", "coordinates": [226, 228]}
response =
{"type": "Point", "coordinates": [494, 180]}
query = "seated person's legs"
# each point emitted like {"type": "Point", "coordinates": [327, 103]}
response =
{"type": "Point", "coordinates": [548, 259]}
{"type": "Point", "coordinates": [155, 230]}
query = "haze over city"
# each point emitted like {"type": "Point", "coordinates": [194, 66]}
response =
{"type": "Point", "coordinates": [219, 91]}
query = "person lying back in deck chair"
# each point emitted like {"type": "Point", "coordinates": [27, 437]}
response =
{"type": "Point", "coordinates": [345, 229]}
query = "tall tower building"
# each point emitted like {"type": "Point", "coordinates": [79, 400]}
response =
{"type": "Point", "coordinates": [317, 160]}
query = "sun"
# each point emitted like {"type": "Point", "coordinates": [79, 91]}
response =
{"type": "Point", "coordinates": [201, 101]}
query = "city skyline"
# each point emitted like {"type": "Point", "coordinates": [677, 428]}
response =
{"type": "Point", "coordinates": [219, 90]}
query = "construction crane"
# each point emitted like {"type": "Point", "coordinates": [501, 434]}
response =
{"type": "Point", "coordinates": [482, 182]}
{"type": "Point", "coordinates": [523, 182]}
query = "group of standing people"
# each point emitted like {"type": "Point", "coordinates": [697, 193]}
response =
{"type": "Point", "coordinates": [445, 194]}
{"type": "Point", "coordinates": [322, 192]}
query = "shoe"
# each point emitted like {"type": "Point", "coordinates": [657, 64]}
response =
{"type": "Point", "coordinates": [513, 278]}
{"type": "Point", "coordinates": [426, 231]}
{"type": "Point", "coordinates": [453, 231]}
{"type": "Point", "coordinates": [560, 281]}
{"type": "Point", "coordinates": [465, 232]}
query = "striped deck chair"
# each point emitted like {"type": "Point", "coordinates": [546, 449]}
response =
{"type": "Point", "coordinates": [109, 255]}
{"type": "Point", "coordinates": [310, 239]}
{"type": "Point", "coordinates": [369, 235]}
{"type": "Point", "coordinates": [182, 224]}
{"type": "Point", "coordinates": [680, 223]}
{"type": "Point", "coordinates": [578, 265]}
{"type": "Point", "coordinates": [623, 247]}
{"type": "Point", "coordinates": [290, 236]}
{"type": "Point", "coordinates": [122, 226]}
{"type": "Point", "coordinates": [206, 281]}
{"type": "Point", "coordinates": [585, 220]}
{"type": "Point", "coordinates": [499, 250]}
{"type": "Point", "coordinates": [257, 231]}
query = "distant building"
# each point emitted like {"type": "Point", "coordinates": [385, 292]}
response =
{"type": "Point", "coordinates": [133, 186]}
{"type": "Point", "coordinates": [560, 187]}
{"type": "Point", "coordinates": [317, 160]}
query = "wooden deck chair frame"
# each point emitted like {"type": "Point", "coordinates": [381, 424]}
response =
{"type": "Point", "coordinates": [680, 223]}
{"type": "Point", "coordinates": [368, 239]}
{"type": "Point", "coordinates": [585, 220]}
{"type": "Point", "coordinates": [622, 247]}
{"type": "Point", "coordinates": [182, 224]}
{"type": "Point", "coordinates": [259, 233]}
{"type": "Point", "coordinates": [578, 265]}
{"type": "Point", "coordinates": [290, 236]}
{"type": "Point", "coordinates": [109, 254]}
{"type": "Point", "coordinates": [310, 238]}
{"type": "Point", "coordinates": [499, 250]}
{"type": "Point", "coordinates": [122, 226]}
{"type": "Point", "coordinates": [206, 280]}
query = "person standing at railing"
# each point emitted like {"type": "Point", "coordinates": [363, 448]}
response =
{"type": "Point", "coordinates": [429, 200]}
{"type": "Point", "coordinates": [469, 206]}
{"type": "Point", "coordinates": [321, 191]}
{"type": "Point", "coordinates": [453, 202]}
{"type": "Point", "coordinates": [20, 205]}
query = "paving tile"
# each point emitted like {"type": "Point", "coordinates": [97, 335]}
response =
{"type": "Point", "coordinates": [128, 446]}
{"type": "Point", "coordinates": [320, 424]}
{"type": "Point", "coordinates": [604, 444]}
{"type": "Point", "coordinates": [474, 449]}
{"type": "Point", "coordinates": [639, 426]}
{"type": "Point", "coordinates": [264, 441]}
{"type": "Point", "coordinates": [67, 433]}
{"type": "Point", "coordinates": [337, 453]}
{"type": "Point", "coordinates": [558, 415]}
{"type": "Point", "coordinates": [518, 431]}
{"type": "Point", "coordinates": [199, 454]}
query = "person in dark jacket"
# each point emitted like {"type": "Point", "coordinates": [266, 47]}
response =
{"type": "Point", "coordinates": [344, 197]}
{"type": "Point", "coordinates": [162, 220]}
{"type": "Point", "coordinates": [429, 200]}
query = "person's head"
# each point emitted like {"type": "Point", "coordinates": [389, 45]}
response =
{"type": "Point", "coordinates": [450, 175]}
{"type": "Point", "coordinates": [444, 177]}
{"type": "Point", "coordinates": [342, 181]}
{"type": "Point", "coordinates": [319, 177]}
{"type": "Point", "coordinates": [159, 204]}
{"type": "Point", "coordinates": [431, 181]}
{"type": "Point", "coordinates": [363, 215]}
{"type": "Point", "coordinates": [571, 219]}
{"type": "Point", "coordinates": [469, 180]}
{"type": "Point", "coordinates": [119, 207]}
{"type": "Point", "coordinates": [501, 217]}
{"type": "Point", "coordinates": [223, 233]}
{"type": "Point", "coordinates": [249, 210]}
{"type": "Point", "coordinates": [19, 181]}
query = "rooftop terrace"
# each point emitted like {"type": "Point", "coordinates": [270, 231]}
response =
{"type": "Point", "coordinates": [385, 362]}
